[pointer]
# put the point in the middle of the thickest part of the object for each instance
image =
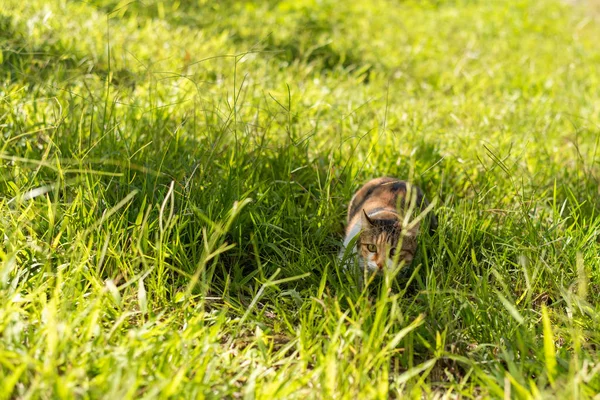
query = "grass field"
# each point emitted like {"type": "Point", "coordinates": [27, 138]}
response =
{"type": "Point", "coordinates": [174, 177]}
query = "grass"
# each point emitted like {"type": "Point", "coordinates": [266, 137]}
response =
{"type": "Point", "coordinates": [174, 177]}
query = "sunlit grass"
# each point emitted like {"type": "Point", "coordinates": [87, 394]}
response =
{"type": "Point", "coordinates": [174, 178]}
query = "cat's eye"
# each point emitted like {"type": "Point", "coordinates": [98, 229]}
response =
{"type": "Point", "coordinates": [372, 248]}
{"type": "Point", "coordinates": [392, 252]}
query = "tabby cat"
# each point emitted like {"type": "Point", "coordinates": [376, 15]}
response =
{"type": "Point", "coordinates": [385, 215]}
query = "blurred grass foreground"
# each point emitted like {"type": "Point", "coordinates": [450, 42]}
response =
{"type": "Point", "coordinates": [174, 177]}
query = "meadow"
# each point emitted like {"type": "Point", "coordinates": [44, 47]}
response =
{"type": "Point", "coordinates": [174, 177]}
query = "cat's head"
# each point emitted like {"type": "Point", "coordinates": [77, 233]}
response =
{"type": "Point", "coordinates": [383, 245]}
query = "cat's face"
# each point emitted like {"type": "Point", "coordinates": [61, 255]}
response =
{"type": "Point", "coordinates": [383, 246]}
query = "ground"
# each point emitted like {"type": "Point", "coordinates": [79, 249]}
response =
{"type": "Point", "coordinates": [174, 178]}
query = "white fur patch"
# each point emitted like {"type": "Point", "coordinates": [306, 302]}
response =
{"type": "Point", "coordinates": [390, 263]}
{"type": "Point", "coordinates": [351, 235]}
{"type": "Point", "coordinates": [353, 232]}
{"type": "Point", "coordinates": [371, 263]}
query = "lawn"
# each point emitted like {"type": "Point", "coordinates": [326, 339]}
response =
{"type": "Point", "coordinates": [174, 177]}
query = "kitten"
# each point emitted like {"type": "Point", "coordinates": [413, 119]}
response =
{"type": "Point", "coordinates": [376, 215]}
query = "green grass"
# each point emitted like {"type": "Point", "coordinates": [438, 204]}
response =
{"type": "Point", "coordinates": [174, 177]}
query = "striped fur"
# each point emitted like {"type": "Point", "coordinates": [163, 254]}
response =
{"type": "Point", "coordinates": [376, 215]}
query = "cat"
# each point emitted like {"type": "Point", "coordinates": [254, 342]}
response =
{"type": "Point", "coordinates": [385, 216]}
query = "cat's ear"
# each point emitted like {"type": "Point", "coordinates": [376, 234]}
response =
{"type": "Point", "coordinates": [365, 220]}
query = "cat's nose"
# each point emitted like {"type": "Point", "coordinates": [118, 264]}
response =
{"type": "Point", "coordinates": [380, 266]}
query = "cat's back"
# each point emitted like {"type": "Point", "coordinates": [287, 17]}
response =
{"type": "Point", "coordinates": [378, 193]}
